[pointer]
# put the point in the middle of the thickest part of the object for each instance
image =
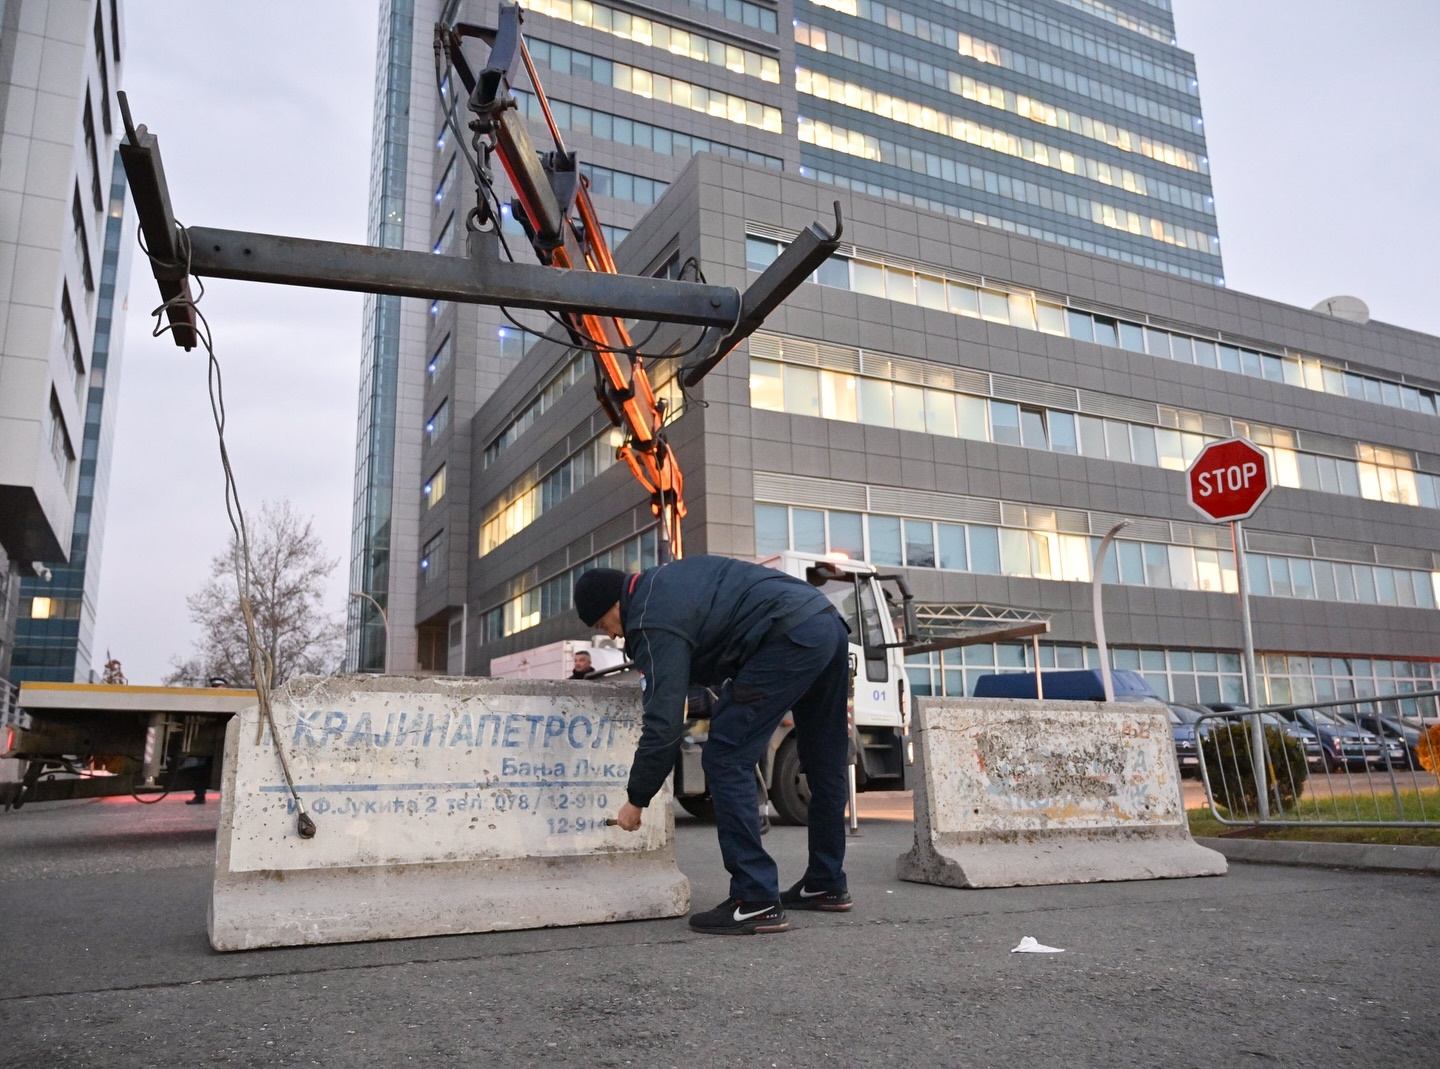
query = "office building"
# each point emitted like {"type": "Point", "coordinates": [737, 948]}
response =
{"type": "Point", "coordinates": [977, 409]}
{"type": "Point", "coordinates": [63, 251]}
{"type": "Point", "coordinates": [53, 640]}
{"type": "Point", "coordinates": [1071, 121]}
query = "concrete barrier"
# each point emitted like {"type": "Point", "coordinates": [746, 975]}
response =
{"type": "Point", "coordinates": [1013, 792]}
{"type": "Point", "coordinates": [442, 806]}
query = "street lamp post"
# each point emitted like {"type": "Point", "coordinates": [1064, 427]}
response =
{"type": "Point", "coordinates": [385, 620]}
{"type": "Point", "coordinates": [1096, 578]}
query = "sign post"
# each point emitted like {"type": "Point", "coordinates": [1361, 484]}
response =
{"type": "Point", "coordinates": [1227, 481]}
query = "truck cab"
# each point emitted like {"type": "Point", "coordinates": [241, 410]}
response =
{"type": "Point", "coordinates": [878, 609]}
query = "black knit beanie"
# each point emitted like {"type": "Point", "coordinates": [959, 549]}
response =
{"type": "Point", "coordinates": [595, 591]}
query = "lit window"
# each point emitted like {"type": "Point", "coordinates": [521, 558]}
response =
{"type": "Point", "coordinates": [766, 386]}
{"type": "Point", "coordinates": [40, 609]}
{"type": "Point", "coordinates": [434, 489]}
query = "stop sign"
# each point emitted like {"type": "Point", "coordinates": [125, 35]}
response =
{"type": "Point", "coordinates": [1229, 480]}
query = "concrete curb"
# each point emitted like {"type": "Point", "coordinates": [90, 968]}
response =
{"type": "Point", "coordinates": [1420, 859]}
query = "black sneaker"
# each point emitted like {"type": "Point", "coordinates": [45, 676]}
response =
{"type": "Point", "coordinates": [734, 917]}
{"type": "Point", "coordinates": [798, 897]}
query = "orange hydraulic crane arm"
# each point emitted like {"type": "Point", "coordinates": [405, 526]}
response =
{"type": "Point", "coordinates": [552, 203]}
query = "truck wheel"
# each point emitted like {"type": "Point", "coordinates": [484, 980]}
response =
{"type": "Point", "coordinates": [789, 793]}
{"type": "Point", "coordinates": [698, 806]}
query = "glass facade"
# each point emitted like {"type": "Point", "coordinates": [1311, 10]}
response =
{"type": "Point", "coordinates": [1031, 118]}
{"type": "Point", "coordinates": [380, 368]}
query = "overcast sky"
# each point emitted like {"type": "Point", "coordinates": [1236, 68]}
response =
{"type": "Point", "coordinates": [1326, 172]}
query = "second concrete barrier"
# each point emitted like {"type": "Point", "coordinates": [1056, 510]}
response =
{"type": "Point", "coordinates": [1014, 792]}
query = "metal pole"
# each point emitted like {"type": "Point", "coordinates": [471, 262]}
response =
{"type": "Point", "coordinates": [854, 802]}
{"type": "Point", "coordinates": [1096, 581]}
{"type": "Point", "coordinates": [1039, 677]}
{"type": "Point", "coordinates": [1247, 663]}
{"type": "Point", "coordinates": [385, 620]}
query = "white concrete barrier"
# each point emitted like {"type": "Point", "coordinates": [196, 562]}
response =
{"type": "Point", "coordinates": [442, 806]}
{"type": "Point", "coordinates": [1017, 792]}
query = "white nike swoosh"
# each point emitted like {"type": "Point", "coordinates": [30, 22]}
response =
{"type": "Point", "coordinates": [812, 894]}
{"type": "Point", "coordinates": [746, 916]}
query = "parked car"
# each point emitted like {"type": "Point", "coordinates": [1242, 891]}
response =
{"type": "Point", "coordinates": [1343, 745]}
{"type": "Point", "coordinates": [1309, 742]}
{"type": "Point", "coordinates": [1187, 742]}
{"type": "Point", "coordinates": [1402, 742]}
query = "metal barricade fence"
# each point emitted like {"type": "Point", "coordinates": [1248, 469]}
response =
{"type": "Point", "coordinates": [1366, 761]}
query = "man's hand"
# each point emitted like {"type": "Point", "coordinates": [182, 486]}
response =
{"type": "Point", "coordinates": [629, 818]}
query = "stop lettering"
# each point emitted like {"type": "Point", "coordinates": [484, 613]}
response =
{"type": "Point", "coordinates": [1228, 480]}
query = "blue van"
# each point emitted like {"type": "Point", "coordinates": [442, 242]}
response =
{"type": "Point", "coordinates": [1078, 685]}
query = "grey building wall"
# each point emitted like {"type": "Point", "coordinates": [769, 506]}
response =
{"type": "Point", "coordinates": [734, 454]}
{"type": "Point", "coordinates": [634, 142]}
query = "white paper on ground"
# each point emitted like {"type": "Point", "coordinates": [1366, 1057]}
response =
{"type": "Point", "coordinates": [1028, 945]}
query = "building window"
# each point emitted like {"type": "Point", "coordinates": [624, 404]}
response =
{"type": "Point", "coordinates": [94, 155]}
{"type": "Point", "coordinates": [439, 361]}
{"type": "Point", "coordinates": [869, 274]}
{"type": "Point", "coordinates": [526, 499]}
{"type": "Point", "coordinates": [513, 345]}
{"type": "Point", "coordinates": [444, 187]}
{"type": "Point", "coordinates": [432, 560]}
{"type": "Point", "coordinates": [434, 489]}
{"type": "Point", "coordinates": [605, 182]}
{"type": "Point", "coordinates": [438, 421]}
{"type": "Point", "coordinates": [624, 130]}
{"type": "Point", "coordinates": [103, 68]}
{"type": "Point", "coordinates": [442, 243]}
{"type": "Point", "coordinates": [552, 597]}
{"type": "Point", "coordinates": [673, 39]}
{"type": "Point", "coordinates": [753, 15]}
{"type": "Point", "coordinates": [82, 243]}
{"type": "Point", "coordinates": [660, 87]}
{"type": "Point", "coordinates": [70, 340]}
{"type": "Point", "coordinates": [61, 451]}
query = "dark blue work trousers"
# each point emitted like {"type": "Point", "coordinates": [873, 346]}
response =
{"type": "Point", "coordinates": [806, 673]}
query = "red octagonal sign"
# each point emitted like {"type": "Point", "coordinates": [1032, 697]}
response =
{"type": "Point", "coordinates": [1229, 480]}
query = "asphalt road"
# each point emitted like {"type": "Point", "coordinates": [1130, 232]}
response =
{"type": "Point", "coordinates": [106, 964]}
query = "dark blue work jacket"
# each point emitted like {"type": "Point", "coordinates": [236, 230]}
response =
{"type": "Point", "coordinates": [696, 621]}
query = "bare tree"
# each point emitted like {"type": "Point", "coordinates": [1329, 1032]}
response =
{"type": "Point", "coordinates": [288, 569]}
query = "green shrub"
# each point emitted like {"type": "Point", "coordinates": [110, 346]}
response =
{"type": "Point", "coordinates": [1232, 773]}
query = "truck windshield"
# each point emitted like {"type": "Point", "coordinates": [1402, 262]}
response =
{"type": "Point", "coordinates": [866, 622]}
{"type": "Point", "coordinates": [841, 592]}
